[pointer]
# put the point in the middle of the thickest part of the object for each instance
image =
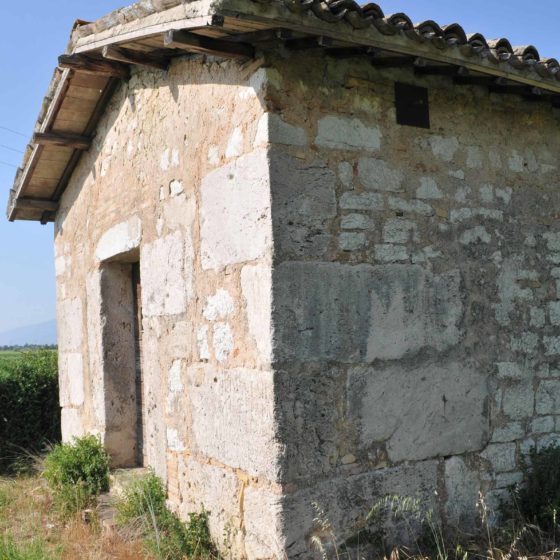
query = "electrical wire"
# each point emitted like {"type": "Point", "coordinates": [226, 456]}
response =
{"type": "Point", "coordinates": [12, 131]}
{"type": "Point", "coordinates": [8, 164]}
{"type": "Point", "coordinates": [11, 149]}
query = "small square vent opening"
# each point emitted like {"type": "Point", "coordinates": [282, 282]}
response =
{"type": "Point", "coordinates": [413, 108]}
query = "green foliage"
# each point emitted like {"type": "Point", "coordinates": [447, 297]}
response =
{"type": "Point", "coordinates": [29, 409]}
{"type": "Point", "coordinates": [34, 550]}
{"type": "Point", "coordinates": [538, 499]}
{"type": "Point", "coordinates": [77, 473]}
{"type": "Point", "coordinates": [143, 509]}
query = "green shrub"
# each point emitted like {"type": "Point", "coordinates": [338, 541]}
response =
{"type": "Point", "coordinates": [29, 408]}
{"type": "Point", "coordinates": [538, 498]}
{"type": "Point", "coordinates": [143, 509]}
{"type": "Point", "coordinates": [77, 473]}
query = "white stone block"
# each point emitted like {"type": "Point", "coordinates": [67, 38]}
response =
{"type": "Point", "coordinates": [235, 212]}
{"type": "Point", "coordinates": [344, 133]}
{"type": "Point", "coordinates": [71, 380]}
{"type": "Point", "coordinates": [218, 306]}
{"type": "Point", "coordinates": [72, 427]}
{"type": "Point", "coordinates": [167, 275]}
{"type": "Point", "coordinates": [120, 239]}
{"type": "Point", "coordinates": [428, 189]}
{"type": "Point", "coordinates": [273, 130]}
{"type": "Point", "coordinates": [70, 325]}
{"type": "Point", "coordinates": [377, 175]}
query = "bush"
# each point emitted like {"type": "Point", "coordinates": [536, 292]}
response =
{"type": "Point", "coordinates": [77, 473]}
{"type": "Point", "coordinates": [538, 499]}
{"type": "Point", "coordinates": [143, 510]}
{"type": "Point", "coordinates": [29, 409]}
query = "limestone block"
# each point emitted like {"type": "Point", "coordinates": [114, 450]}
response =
{"type": "Point", "coordinates": [71, 380]}
{"type": "Point", "coordinates": [235, 212]}
{"type": "Point", "coordinates": [120, 239]}
{"type": "Point", "coordinates": [518, 401]}
{"type": "Point", "coordinates": [356, 221]}
{"type": "Point", "coordinates": [552, 345]}
{"type": "Point", "coordinates": [213, 488]}
{"type": "Point", "coordinates": [219, 306]}
{"type": "Point", "coordinates": [508, 480]}
{"type": "Point", "coordinates": [256, 285]}
{"type": "Point", "coordinates": [509, 432]}
{"type": "Point", "coordinates": [303, 204]}
{"type": "Point", "coordinates": [444, 413]}
{"type": "Point", "coordinates": [274, 130]}
{"type": "Point", "coordinates": [343, 133]}
{"type": "Point", "coordinates": [428, 189]}
{"type": "Point", "coordinates": [167, 275]}
{"type": "Point", "coordinates": [346, 173]}
{"type": "Point", "coordinates": [72, 424]}
{"type": "Point", "coordinates": [233, 418]}
{"type": "Point", "coordinates": [397, 230]}
{"type": "Point", "coordinates": [388, 253]}
{"type": "Point", "coordinates": [475, 235]}
{"type": "Point", "coordinates": [462, 485]}
{"type": "Point", "coordinates": [444, 148]}
{"type": "Point", "coordinates": [262, 513]}
{"type": "Point", "coordinates": [347, 500]}
{"type": "Point", "coordinates": [510, 370]}
{"type": "Point", "coordinates": [548, 397]}
{"type": "Point", "coordinates": [501, 456]}
{"type": "Point", "coordinates": [377, 175]}
{"type": "Point", "coordinates": [554, 312]}
{"type": "Point", "coordinates": [222, 340]}
{"type": "Point", "coordinates": [538, 317]}
{"type": "Point", "coordinates": [70, 325]}
{"type": "Point", "coordinates": [543, 425]}
{"type": "Point", "coordinates": [352, 241]}
{"type": "Point", "coordinates": [411, 206]}
{"type": "Point", "coordinates": [356, 313]}
{"type": "Point", "coordinates": [362, 201]}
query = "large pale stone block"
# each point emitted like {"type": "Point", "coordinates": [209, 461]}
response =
{"type": "Point", "coordinates": [71, 380]}
{"type": "Point", "coordinates": [362, 313]}
{"type": "Point", "coordinates": [272, 129]}
{"type": "Point", "coordinates": [344, 133]}
{"type": "Point", "coordinates": [235, 212]}
{"type": "Point", "coordinates": [167, 275]}
{"type": "Point", "coordinates": [445, 412]}
{"type": "Point", "coordinates": [120, 239]}
{"type": "Point", "coordinates": [70, 325]}
{"type": "Point", "coordinates": [256, 285]}
{"type": "Point", "coordinates": [233, 406]}
{"type": "Point", "coordinates": [72, 424]}
{"type": "Point", "coordinates": [378, 175]}
{"type": "Point", "coordinates": [462, 485]}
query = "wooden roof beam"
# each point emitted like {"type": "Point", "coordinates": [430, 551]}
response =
{"type": "Point", "coordinates": [313, 42]}
{"type": "Point", "coordinates": [82, 63]}
{"type": "Point", "coordinates": [36, 204]}
{"type": "Point", "coordinates": [75, 141]}
{"type": "Point", "coordinates": [129, 56]}
{"type": "Point", "coordinates": [191, 42]}
{"type": "Point", "coordinates": [440, 70]}
{"type": "Point", "coordinates": [261, 36]}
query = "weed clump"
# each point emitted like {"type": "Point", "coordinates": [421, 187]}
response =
{"type": "Point", "coordinates": [143, 510]}
{"type": "Point", "coordinates": [538, 498]}
{"type": "Point", "coordinates": [34, 550]}
{"type": "Point", "coordinates": [77, 473]}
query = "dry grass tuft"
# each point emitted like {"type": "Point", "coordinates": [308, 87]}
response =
{"type": "Point", "coordinates": [27, 515]}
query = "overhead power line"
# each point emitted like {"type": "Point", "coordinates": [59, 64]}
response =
{"type": "Point", "coordinates": [8, 164]}
{"type": "Point", "coordinates": [11, 149]}
{"type": "Point", "coordinates": [13, 131]}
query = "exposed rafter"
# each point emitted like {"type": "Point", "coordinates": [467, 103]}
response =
{"type": "Point", "coordinates": [82, 63]}
{"type": "Point", "coordinates": [62, 139]}
{"type": "Point", "coordinates": [129, 56]}
{"type": "Point", "coordinates": [194, 43]}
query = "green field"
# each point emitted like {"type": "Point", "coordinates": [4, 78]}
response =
{"type": "Point", "coordinates": [7, 357]}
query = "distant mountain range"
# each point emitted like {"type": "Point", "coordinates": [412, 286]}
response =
{"type": "Point", "coordinates": [44, 333]}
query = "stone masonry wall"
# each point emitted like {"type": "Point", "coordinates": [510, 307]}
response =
{"type": "Point", "coordinates": [178, 177]}
{"type": "Point", "coordinates": [415, 291]}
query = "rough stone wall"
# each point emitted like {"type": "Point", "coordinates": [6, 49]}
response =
{"type": "Point", "coordinates": [415, 291]}
{"type": "Point", "coordinates": [178, 177]}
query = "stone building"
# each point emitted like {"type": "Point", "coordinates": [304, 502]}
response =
{"type": "Point", "coordinates": [305, 253]}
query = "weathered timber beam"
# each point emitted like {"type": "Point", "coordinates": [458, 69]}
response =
{"type": "Point", "coordinates": [392, 61]}
{"type": "Point", "coordinates": [81, 63]}
{"type": "Point", "coordinates": [305, 43]}
{"type": "Point", "coordinates": [261, 36]}
{"type": "Point", "coordinates": [129, 56]}
{"type": "Point", "coordinates": [440, 70]}
{"type": "Point", "coordinates": [62, 139]}
{"type": "Point", "coordinates": [478, 81]}
{"type": "Point", "coordinates": [348, 52]}
{"type": "Point", "coordinates": [36, 204]}
{"type": "Point", "coordinates": [515, 89]}
{"type": "Point", "coordinates": [194, 43]}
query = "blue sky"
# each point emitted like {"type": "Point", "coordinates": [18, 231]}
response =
{"type": "Point", "coordinates": [27, 293]}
